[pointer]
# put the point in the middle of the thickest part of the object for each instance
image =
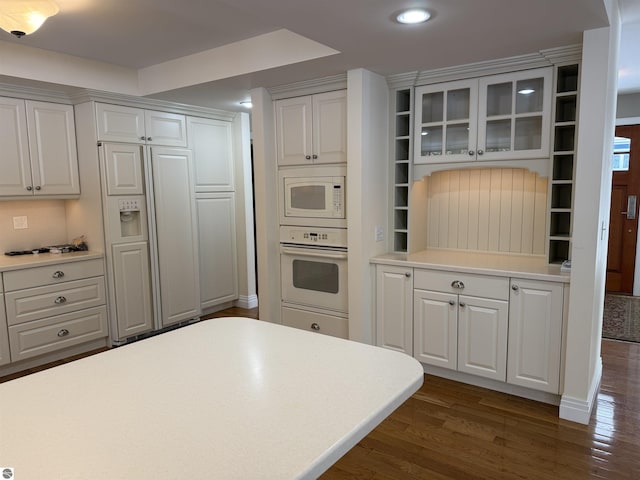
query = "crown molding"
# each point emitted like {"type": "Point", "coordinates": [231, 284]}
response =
{"type": "Point", "coordinates": [87, 95]}
{"type": "Point", "coordinates": [309, 87]}
{"type": "Point", "coordinates": [34, 93]}
{"type": "Point", "coordinates": [543, 58]}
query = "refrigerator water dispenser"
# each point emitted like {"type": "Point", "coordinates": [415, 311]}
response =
{"type": "Point", "coordinates": [130, 225]}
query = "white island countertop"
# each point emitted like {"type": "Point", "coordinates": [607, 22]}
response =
{"type": "Point", "coordinates": [229, 398]}
{"type": "Point", "coordinates": [503, 265]}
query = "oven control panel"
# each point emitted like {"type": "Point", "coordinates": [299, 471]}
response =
{"type": "Point", "coordinates": [334, 237]}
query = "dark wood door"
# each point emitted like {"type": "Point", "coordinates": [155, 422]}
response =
{"type": "Point", "coordinates": [623, 223]}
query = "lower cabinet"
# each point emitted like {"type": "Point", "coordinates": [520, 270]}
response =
{"type": "Point", "coordinates": [535, 334]}
{"type": "Point", "coordinates": [4, 338]}
{"type": "Point", "coordinates": [393, 305]}
{"type": "Point", "coordinates": [504, 329]}
{"type": "Point", "coordinates": [132, 287]}
{"type": "Point", "coordinates": [217, 248]}
{"type": "Point", "coordinates": [51, 307]}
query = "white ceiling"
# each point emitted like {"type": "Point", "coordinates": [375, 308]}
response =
{"type": "Point", "coordinates": [140, 34]}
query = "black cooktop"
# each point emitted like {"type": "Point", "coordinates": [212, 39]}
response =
{"type": "Point", "coordinates": [53, 249]}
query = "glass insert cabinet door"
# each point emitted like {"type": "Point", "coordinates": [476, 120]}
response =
{"type": "Point", "coordinates": [446, 116]}
{"type": "Point", "coordinates": [514, 115]}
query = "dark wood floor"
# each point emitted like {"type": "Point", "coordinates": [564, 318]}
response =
{"type": "Point", "coordinates": [449, 430]}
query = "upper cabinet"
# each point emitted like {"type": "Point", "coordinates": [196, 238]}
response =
{"type": "Point", "coordinates": [38, 145]}
{"type": "Point", "coordinates": [116, 123]}
{"type": "Point", "coordinates": [312, 129]}
{"type": "Point", "coordinates": [212, 144]}
{"type": "Point", "coordinates": [500, 117]}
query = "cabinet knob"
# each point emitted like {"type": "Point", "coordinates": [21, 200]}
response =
{"type": "Point", "coordinates": [462, 304]}
{"type": "Point", "coordinates": [143, 138]}
{"type": "Point", "coordinates": [452, 303]}
{"type": "Point", "coordinates": [515, 288]}
{"type": "Point", "coordinates": [60, 300]}
{"type": "Point", "coordinates": [315, 157]}
{"type": "Point", "coordinates": [457, 284]}
{"type": "Point", "coordinates": [149, 139]}
{"type": "Point", "coordinates": [480, 152]}
{"type": "Point", "coordinates": [307, 157]}
{"type": "Point", "coordinates": [29, 188]}
{"type": "Point", "coordinates": [58, 274]}
{"type": "Point", "coordinates": [38, 187]}
{"type": "Point", "coordinates": [407, 274]}
{"type": "Point", "coordinates": [63, 333]}
{"type": "Point", "coordinates": [315, 326]}
{"type": "Point", "coordinates": [471, 153]}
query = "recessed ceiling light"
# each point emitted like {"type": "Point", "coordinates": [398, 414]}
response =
{"type": "Point", "coordinates": [415, 15]}
{"type": "Point", "coordinates": [246, 104]}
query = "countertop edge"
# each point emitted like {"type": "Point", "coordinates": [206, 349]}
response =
{"type": "Point", "coordinates": [400, 260]}
{"type": "Point", "coordinates": [21, 262]}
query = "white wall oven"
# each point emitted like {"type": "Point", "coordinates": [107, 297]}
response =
{"type": "Point", "coordinates": [313, 263]}
{"type": "Point", "coordinates": [313, 195]}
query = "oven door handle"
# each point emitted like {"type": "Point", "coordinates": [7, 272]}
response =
{"type": "Point", "coordinates": [310, 252]}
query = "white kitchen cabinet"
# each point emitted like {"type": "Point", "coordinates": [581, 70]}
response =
{"type": "Point", "coordinates": [535, 334]}
{"type": "Point", "coordinates": [212, 144]}
{"type": "Point", "coordinates": [5, 356]}
{"type": "Point", "coordinates": [53, 307]}
{"type": "Point", "coordinates": [176, 234]}
{"type": "Point", "coordinates": [38, 145]}
{"type": "Point", "coordinates": [217, 248]}
{"type": "Point", "coordinates": [435, 324]}
{"type": "Point", "coordinates": [123, 169]}
{"type": "Point", "coordinates": [499, 117]}
{"type": "Point", "coordinates": [461, 322]}
{"type": "Point", "coordinates": [312, 129]}
{"type": "Point", "coordinates": [394, 315]}
{"type": "Point", "coordinates": [117, 123]}
{"type": "Point", "coordinates": [133, 301]}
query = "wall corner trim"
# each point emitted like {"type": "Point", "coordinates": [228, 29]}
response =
{"type": "Point", "coordinates": [577, 409]}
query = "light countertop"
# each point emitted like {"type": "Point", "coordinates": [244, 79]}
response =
{"type": "Point", "coordinates": [229, 398]}
{"type": "Point", "coordinates": [18, 262]}
{"type": "Point", "coordinates": [521, 266]}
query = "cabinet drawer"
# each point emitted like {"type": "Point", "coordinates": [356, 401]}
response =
{"type": "Point", "coordinates": [34, 303]}
{"type": "Point", "coordinates": [52, 274]}
{"type": "Point", "coordinates": [62, 331]}
{"type": "Point", "coordinates": [475, 285]}
{"type": "Point", "coordinates": [315, 322]}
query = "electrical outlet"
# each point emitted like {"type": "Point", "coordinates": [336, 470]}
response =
{"type": "Point", "coordinates": [379, 233]}
{"type": "Point", "coordinates": [20, 223]}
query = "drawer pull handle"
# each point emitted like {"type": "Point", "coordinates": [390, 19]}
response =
{"type": "Point", "coordinates": [58, 274]}
{"type": "Point", "coordinates": [63, 333]}
{"type": "Point", "coordinates": [60, 300]}
{"type": "Point", "coordinates": [315, 326]}
{"type": "Point", "coordinates": [457, 284]}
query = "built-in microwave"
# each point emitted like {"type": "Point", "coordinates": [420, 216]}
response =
{"type": "Point", "coordinates": [313, 196]}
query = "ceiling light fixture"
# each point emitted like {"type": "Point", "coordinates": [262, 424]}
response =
{"type": "Point", "coordinates": [415, 15]}
{"type": "Point", "coordinates": [526, 91]}
{"type": "Point", "coordinates": [247, 104]}
{"type": "Point", "coordinates": [23, 17]}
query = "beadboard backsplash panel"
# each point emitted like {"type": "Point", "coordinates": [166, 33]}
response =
{"type": "Point", "coordinates": [487, 209]}
{"type": "Point", "coordinates": [46, 222]}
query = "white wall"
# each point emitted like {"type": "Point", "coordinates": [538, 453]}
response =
{"type": "Point", "coordinates": [266, 212]}
{"type": "Point", "coordinates": [244, 212]}
{"type": "Point", "coordinates": [367, 192]}
{"type": "Point", "coordinates": [628, 106]}
{"type": "Point", "coordinates": [590, 237]}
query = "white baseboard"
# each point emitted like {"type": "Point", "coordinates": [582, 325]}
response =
{"type": "Point", "coordinates": [246, 301]}
{"type": "Point", "coordinates": [579, 410]}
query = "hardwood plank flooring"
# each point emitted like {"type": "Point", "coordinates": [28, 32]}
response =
{"type": "Point", "coordinates": [448, 430]}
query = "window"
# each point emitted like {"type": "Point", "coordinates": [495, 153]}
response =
{"type": "Point", "coordinates": [621, 149]}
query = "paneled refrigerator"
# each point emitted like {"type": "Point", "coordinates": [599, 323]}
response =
{"type": "Point", "coordinates": [151, 237]}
